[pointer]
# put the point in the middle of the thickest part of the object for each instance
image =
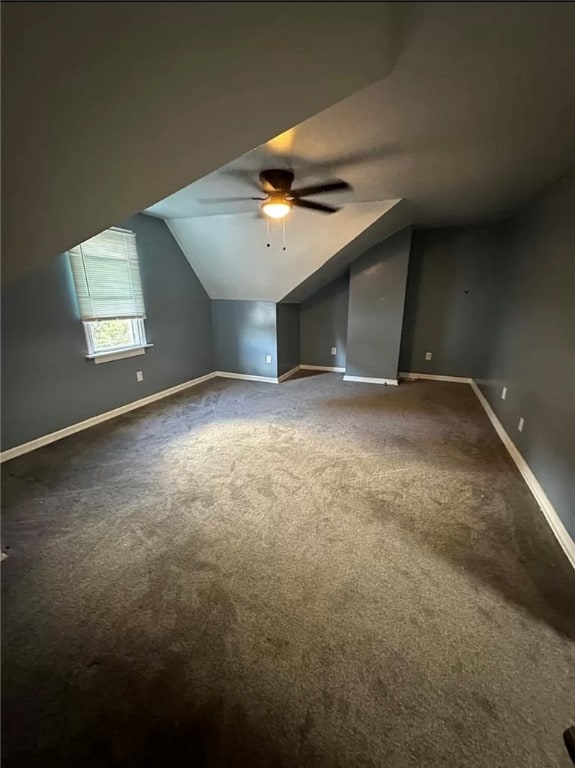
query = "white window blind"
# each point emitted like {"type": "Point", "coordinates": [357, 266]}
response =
{"type": "Point", "coordinates": [107, 276]}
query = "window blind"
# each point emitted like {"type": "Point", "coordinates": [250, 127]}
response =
{"type": "Point", "coordinates": [107, 276]}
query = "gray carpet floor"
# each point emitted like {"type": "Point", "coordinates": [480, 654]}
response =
{"type": "Point", "coordinates": [312, 574]}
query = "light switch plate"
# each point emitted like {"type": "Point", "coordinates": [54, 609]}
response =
{"type": "Point", "coordinates": [268, 358]}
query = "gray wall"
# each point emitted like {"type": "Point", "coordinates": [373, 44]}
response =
{"type": "Point", "coordinates": [376, 301]}
{"type": "Point", "coordinates": [448, 306]}
{"type": "Point", "coordinates": [532, 346]}
{"type": "Point", "coordinates": [323, 323]}
{"type": "Point", "coordinates": [288, 337]}
{"type": "Point", "coordinates": [244, 333]}
{"type": "Point", "coordinates": [47, 383]}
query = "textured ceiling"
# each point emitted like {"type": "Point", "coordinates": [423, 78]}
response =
{"type": "Point", "coordinates": [476, 117]}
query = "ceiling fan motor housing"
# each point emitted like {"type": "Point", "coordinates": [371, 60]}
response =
{"type": "Point", "coordinates": [276, 180]}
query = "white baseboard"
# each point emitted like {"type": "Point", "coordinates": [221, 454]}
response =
{"type": "Point", "coordinates": [433, 377]}
{"type": "Point", "coordinates": [289, 373]}
{"type": "Point", "coordinates": [367, 380]}
{"type": "Point", "coordinates": [32, 445]}
{"type": "Point", "coordinates": [322, 368]}
{"type": "Point", "coordinates": [561, 533]}
{"type": "Point", "coordinates": [60, 434]}
{"type": "Point", "coordinates": [553, 519]}
{"type": "Point", "coordinates": [247, 377]}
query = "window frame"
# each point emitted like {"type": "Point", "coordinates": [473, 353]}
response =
{"type": "Point", "coordinates": [117, 353]}
{"type": "Point", "coordinates": [137, 327]}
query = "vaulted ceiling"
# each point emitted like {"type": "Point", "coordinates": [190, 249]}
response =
{"type": "Point", "coordinates": [464, 110]}
{"type": "Point", "coordinates": [229, 253]}
{"type": "Point", "coordinates": [109, 107]}
{"type": "Point", "coordinates": [475, 118]}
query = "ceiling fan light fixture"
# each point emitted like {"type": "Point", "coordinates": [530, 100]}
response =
{"type": "Point", "coordinates": [276, 207]}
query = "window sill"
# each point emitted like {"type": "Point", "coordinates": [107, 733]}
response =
{"type": "Point", "coordinates": [118, 354]}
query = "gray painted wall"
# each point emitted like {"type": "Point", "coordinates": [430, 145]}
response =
{"type": "Point", "coordinates": [288, 337]}
{"type": "Point", "coordinates": [244, 333]}
{"type": "Point", "coordinates": [532, 346]}
{"type": "Point", "coordinates": [376, 300]}
{"type": "Point", "coordinates": [47, 383]}
{"type": "Point", "coordinates": [448, 307]}
{"type": "Point", "coordinates": [323, 324]}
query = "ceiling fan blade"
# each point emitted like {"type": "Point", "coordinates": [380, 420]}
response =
{"type": "Point", "coordinates": [219, 200]}
{"type": "Point", "coordinates": [314, 206]}
{"type": "Point", "coordinates": [318, 189]}
{"type": "Point", "coordinates": [243, 175]}
{"type": "Point", "coordinates": [305, 166]}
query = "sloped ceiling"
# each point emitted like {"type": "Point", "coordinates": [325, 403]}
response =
{"type": "Point", "coordinates": [476, 117]}
{"type": "Point", "coordinates": [108, 107]}
{"type": "Point", "coordinates": [230, 255]}
{"type": "Point", "coordinates": [396, 218]}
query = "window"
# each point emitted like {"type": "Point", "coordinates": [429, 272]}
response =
{"type": "Point", "coordinates": [109, 290]}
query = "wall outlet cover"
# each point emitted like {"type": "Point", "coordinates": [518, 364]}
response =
{"type": "Point", "coordinates": [268, 358]}
{"type": "Point", "coordinates": [504, 393]}
{"type": "Point", "coordinates": [140, 375]}
{"type": "Point", "coordinates": [428, 355]}
{"type": "Point", "coordinates": [521, 423]}
{"type": "Point", "coordinates": [333, 351]}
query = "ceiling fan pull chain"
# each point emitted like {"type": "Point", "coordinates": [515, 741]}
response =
{"type": "Point", "coordinates": [269, 238]}
{"type": "Point", "coordinates": [284, 234]}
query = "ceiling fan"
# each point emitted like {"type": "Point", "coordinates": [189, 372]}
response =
{"type": "Point", "coordinates": [280, 198]}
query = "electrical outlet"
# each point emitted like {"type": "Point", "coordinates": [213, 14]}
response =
{"type": "Point", "coordinates": [333, 351]}
{"type": "Point", "coordinates": [428, 355]}
{"type": "Point", "coordinates": [504, 393]}
{"type": "Point", "coordinates": [140, 375]}
{"type": "Point", "coordinates": [268, 358]}
{"type": "Point", "coordinates": [521, 423]}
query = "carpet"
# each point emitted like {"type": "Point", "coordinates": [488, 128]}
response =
{"type": "Point", "coordinates": [315, 574]}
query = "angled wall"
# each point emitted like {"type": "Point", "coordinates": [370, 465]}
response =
{"type": "Point", "coordinates": [376, 301]}
{"type": "Point", "coordinates": [48, 384]}
{"type": "Point", "coordinates": [323, 324]}
{"type": "Point", "coordinates": [397, 216]}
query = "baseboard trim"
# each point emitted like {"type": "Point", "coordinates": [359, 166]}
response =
{"type": "Point", "coordinates": [561, 534]}
{"type": "Point", "coordinates": [247, 377]}
{"type": "Point", "coordinates": [368, 380]}
{"type": "Point", "coordinates": [289, 373]}
{"type": "Point", "coordinates": [322, 368]}
{"type": "Point", "coordinates": [433, 377]}
{"type": "Point", "coordinates": [553, 519]}
{"type": "Point", "coordinates": [60, 434]}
